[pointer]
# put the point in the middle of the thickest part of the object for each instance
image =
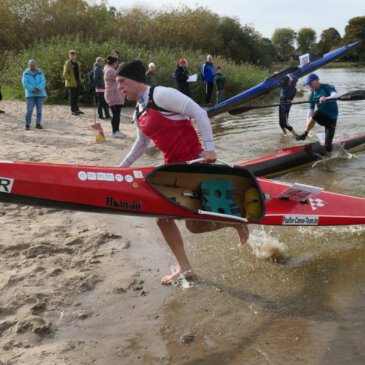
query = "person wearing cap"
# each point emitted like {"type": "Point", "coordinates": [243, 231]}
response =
{"type": "Point", "coordinates": [34, 83]}
{"type": "Point", "coordinates": [164, 115]}
{"type": "Point", "coordinates": [181, 76]}
{"type": "Point", "coordinates": [71, 74]}
{"type": "Point", "coordinates": [327, 111]}
{"type": "Point", "coordinates": [287, 94]}
{"type": "Point", "coordinates": [151, 78]}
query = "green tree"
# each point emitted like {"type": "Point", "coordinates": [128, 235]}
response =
{"type": "Point", "coordinates": [283, 39]}
{"type": "Point", "coordinates": [266, 52]}
{"type": "Point", "coordinates": [355, 31]}
{"type": "Point", "coordinates": [306, 38]}
{"type": "Point", "coordinates": [330, 38]}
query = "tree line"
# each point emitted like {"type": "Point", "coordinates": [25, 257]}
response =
{"type": "Point", "coordinates": [23, 23]}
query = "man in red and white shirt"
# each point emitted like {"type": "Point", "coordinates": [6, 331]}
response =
{"type": "Point", "coordinates": [164, 115]}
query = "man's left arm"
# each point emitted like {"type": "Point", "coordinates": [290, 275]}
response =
{"type": "Point", "coordinates": [174, 101]}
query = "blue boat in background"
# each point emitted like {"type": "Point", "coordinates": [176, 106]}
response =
{"type": "Point", "coordinates": [276, 80]}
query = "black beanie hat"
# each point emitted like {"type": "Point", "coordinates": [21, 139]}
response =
{"type": "Point", "coordinates": [133, 70]}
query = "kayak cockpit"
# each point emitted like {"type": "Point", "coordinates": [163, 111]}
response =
{"type": "Point", "coordinates": [216, 190]}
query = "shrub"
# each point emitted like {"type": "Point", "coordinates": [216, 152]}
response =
{"type": "Point", "coordinates": [52, 54]}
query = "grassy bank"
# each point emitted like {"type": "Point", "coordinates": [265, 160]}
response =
{"type": "Point", "coordinates": [51, 56]}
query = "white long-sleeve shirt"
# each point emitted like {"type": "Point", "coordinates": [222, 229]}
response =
{"type": "Point", "coordinates": [180, 107]}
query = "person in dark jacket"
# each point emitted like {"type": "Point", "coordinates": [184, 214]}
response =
{"type": "Point", "coordinates": [181, 76]}
{"type": "Point", "coordinates": [220, 80]}
{"type": "Point", "coordinates": [100, 88]}
{"type": "Point", "coordinates": [287, 94]}
{"type": "Point", "coordinates": [1, 98]}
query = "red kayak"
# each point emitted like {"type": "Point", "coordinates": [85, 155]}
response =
{"type": "Point", "coordinates": [183, 191]}
{"type": "Point", "coordinates": [297, 157]}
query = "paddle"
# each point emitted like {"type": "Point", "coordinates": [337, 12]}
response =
{"type": "Point", "coordinates": [350, 96]}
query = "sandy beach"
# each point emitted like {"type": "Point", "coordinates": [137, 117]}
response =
{"type": "Point", "coordinates": [76, 288]}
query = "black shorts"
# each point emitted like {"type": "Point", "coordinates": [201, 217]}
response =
{"type": "Point", "coordinates": [323, 120]}
{"type": "Point", "coordinates": [330, 128]}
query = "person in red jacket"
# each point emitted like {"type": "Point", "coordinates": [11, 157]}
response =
{"type": "Point", "coordinates": [164, 116]}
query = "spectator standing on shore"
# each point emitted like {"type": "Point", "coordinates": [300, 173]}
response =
{"type": "Point", "coordinates": [1, 98]}
{"type": "Point", "coordinates": [100, 88]}
{"type": "Point", "coordinates": [151, 78]}
{"type": "Point", "coordinates": [181, 76]}
{"type": "Point", "coordinates": [113, 95]}
{"type": "Point", "coordinates": [207, 72]}
{"type": "Point", "coordinates": [71, 74]}
{"type": "Point", "coordinates": [220, 80]}
{"type": "Point", "coordinates": [34, 83]}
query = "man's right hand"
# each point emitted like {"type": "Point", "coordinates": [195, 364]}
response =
{"type": "Point", "coordinates": [210, 156]}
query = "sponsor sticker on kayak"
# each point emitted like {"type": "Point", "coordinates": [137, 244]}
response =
{"type": "Point", "coordinates": [302, 220]}
{"type": "Point", "coordinates": [104, 176]}
{"type": "Point", "coordinates": [6, 184]}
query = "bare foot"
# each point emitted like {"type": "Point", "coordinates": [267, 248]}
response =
{"type": "Point", "coordinates": [168, 279]}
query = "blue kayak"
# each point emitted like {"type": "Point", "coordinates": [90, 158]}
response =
{"type": "Point", "coordinates": [275, 81]}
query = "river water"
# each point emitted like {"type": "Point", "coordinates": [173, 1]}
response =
{"type": "Point", "coordinates": [308, 308]}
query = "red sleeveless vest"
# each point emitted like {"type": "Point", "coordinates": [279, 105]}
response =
{"type": "Point", "coordinates": [177, 140]}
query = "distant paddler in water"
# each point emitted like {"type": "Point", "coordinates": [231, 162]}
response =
{"type": "Point", "coordinates": [287, 94]}
{"type": "Point", "coordinates": [164, 115]}
{"type": "Point", "coordinates": [327, 110]}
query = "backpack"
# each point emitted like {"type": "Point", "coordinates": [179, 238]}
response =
{"type": "Point", "coordinates": [92, 78]}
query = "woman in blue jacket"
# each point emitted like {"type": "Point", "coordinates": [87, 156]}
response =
{"type": "Point", "coordinates": [34, 83]}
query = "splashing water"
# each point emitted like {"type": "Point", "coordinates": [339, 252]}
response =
{"type": "Point", "coordinates": [338, 154]}
{"type": "Point", "coordinates": [267, 246]}
{"type": "Point", "coordinates": [184, 280]}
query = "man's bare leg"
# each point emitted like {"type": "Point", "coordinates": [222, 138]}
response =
{"type": "Point", "coordinates": [174, 239]}
{"type": "Point", "coordinates": [202, 227]}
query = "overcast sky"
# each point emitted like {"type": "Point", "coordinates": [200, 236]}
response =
{"type": "Point", "coordinates": [267, 15]}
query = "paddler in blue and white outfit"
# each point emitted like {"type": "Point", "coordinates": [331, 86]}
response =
{"type": "Point", "coordinates": [327, 111]}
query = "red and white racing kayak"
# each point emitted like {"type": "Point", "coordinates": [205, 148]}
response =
{"type": "Point", "coordinates": [183, 191]}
